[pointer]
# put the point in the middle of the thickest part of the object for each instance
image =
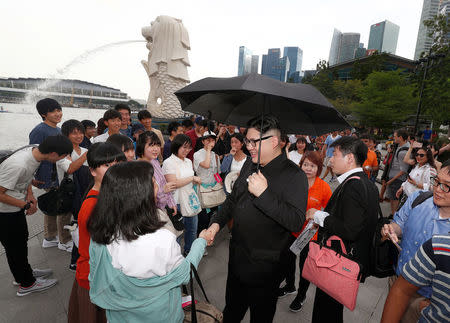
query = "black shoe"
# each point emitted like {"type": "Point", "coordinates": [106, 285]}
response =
{"type": "Point", "coordinates": [73, 267]}
{"type": "Point", "coordinates": [297, 304]}
{"type": "Point", "coordinates": [286, 290]}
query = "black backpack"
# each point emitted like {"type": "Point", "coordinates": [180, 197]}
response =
{"type": "Point", "coordinates": [384, 254]}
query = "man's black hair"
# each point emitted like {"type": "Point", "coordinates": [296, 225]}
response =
{"type": "Point", "coordinates": [111, 114]}
{"type": "Point", "coordinates": [144, 114]}
{"type": "Point", "coordinates": [269, 122]}
{"type": "Point", "coordinates": [187, 123]}
{"type": "Point", "coordinates": [173, 126]}
{"type": "Point", "coordinates": [402, 133]}
{"type": "Point", "coordinates": [368, 137]}
{"type": "Point", "coordinates": [56, 144]}
{"type": "Point", "coordinates": [179, 141]}
{"type": "Point", "coordinates": [349, 145]}
{"type": "Point", "coordinates": [102, 153]}
{"type": "Point", "coordinates": [202, 123]}
{"type": "Point", "coordinates": [128, 212]}
{"type": "Point", "coordinates": [121, 141]}
{"type": "Point", "coordinates": [146, 137]}
{"type": "Point", "coordinates": [122, 106]}
{"type": "Point", "coordinates": [446, 164]}
{"type": "Point", "coordinates": [88, 124]}
{"type": "Point", "coordinates": [47, 105]}
{"type": "Point", "coordinates": [70, 125]}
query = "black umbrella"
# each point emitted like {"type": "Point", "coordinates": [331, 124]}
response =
{"type": "Point", "coordinates": [300, 108]}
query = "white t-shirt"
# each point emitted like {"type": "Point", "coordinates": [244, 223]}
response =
{"type": "Point", "coordinates": [179, 168]}
{"type": "Point", "coordinates": [153, 254]}
{"type": "Point", "coordinates": [101, 138]}
{"type": "Point", "coordinates": [63, 165]}
{"type": "Point", "coordinates": [206, 174]}
{"type": "Point", "coordinates": [236, 166]}
{"type": "Point", "coordinates": [295, 157]}
{"type": "Point", "coordinates": [420, 174]}
{"type": "Point", "coordinates": [16, 173]}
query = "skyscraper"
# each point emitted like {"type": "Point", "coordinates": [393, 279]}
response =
{"type": "Point", "coordinates": [245, 61]}
{"type": "Point", "coordinates": [429, 10]}
{"type": "Point", "coordinates": [295, 55]}
{"type": "Point", "coordinates": [343, 46]}
{"type": "Point", "coordinates": [275, 66]}
{"type": "Point", "coordinates": [383, 37]}
{"type": "Point", "coordinates": [255, 64]}
{"type": "Point", "coordinates": [360, 51]}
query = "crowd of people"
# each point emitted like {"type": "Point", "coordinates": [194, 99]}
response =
{"type": "Point", "coordinates": [138, 218]}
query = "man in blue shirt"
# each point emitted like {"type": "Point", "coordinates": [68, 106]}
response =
{"type": "Point", "coordinates": [327, 152]}
{"type": "Point", "coordinates": [46, 176]}
{"type": "Point", "coordinates": [415, 225]}
{"type": "Point", "coordinates": [426, 135]}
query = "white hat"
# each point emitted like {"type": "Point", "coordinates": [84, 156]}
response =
{"type": "Point", "coordinates": [208, 134]}
{"type": "Point", "coordinates": [230, 179]}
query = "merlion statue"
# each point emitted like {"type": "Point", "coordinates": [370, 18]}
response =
{"type": "Point", "coordinates": [168, 43]}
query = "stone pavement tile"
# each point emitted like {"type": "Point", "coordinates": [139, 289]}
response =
{"type": "Point", "coordinates": [368, 297]}
{"type": "Point", "coordinates": [378, 312]}
{"type": "Point", "coordinates": [357, 316]}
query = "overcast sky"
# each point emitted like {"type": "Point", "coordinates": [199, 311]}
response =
{"type": "Point", "coordinates": [39, 37]}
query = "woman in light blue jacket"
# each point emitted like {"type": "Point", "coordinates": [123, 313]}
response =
{"type": "Point", "coordinates": [136, 265]}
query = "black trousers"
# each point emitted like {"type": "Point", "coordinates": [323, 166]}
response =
{"type": "Point", "coordinates": [14, 238]}
{"type": "Point", "coordinates": [303, 284]}
{"type": "Point", "coordinates": [327, 309]}
{"type": "Point", "coordinates": [262, 300]}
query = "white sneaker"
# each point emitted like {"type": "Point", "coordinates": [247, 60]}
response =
{"type": "Point", "coordinates": [38, 286]}
{"type": "Point", "coordinates": [38, 273]}
{"type": "Point", "coordinates": [66, 246]}
{"type": "Point", "coordinates": [50, 243]}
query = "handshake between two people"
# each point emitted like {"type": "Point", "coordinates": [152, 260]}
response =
{"type": "Point", "coordinates": [210, 233]}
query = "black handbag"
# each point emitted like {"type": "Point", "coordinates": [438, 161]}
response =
{"type": "Point", "coordinates": [177, 219]}
{"type": "Point", "coordinates": [58, 200]}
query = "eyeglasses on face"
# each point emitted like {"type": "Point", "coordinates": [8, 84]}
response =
{"type": "Point", "coordinates": [420, 155]}
{"type": "Point", "coordinates": [252, 142]}
{"type": "Point", "coordinates": [444, 187]}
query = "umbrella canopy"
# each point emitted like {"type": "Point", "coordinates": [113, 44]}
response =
{"type": "Point", "coordinates": [300, 108]}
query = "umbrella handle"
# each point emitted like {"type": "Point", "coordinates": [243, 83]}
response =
{"type": "Point", "coordinates": [260, 141]}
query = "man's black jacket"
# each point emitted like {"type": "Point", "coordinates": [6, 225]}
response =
{"type": "Point", "coordinates": [262, 226]}
{"type": "Point", "coordinates": [353, 209]}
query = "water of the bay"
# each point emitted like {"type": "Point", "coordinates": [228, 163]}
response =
{"type": "Point", "coordinates": [20, 119]}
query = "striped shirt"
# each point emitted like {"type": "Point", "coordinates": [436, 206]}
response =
{"type": "Point", "coordinates": [430, 266]}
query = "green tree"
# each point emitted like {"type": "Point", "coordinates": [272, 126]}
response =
{"type": "Point", "coordinates": [374, 63]}
{"type": "Point", "coordinates": [347, 94]}
{"type": "Point", "coordinates": [386, 97]}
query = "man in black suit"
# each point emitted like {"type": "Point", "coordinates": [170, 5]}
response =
{"type": "Point", "coordinates": [351, 214]}
{"type": "Point", "coordinates": [266, 206]}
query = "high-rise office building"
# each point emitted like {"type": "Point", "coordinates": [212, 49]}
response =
{"type": "Point", "coordinates": [343, 46]}
{"type": "Point", "coordinates": [295, 55]}
{"type": "Point", "coordinates": [255, 64]}
{"type": "Point", "coordinates": [444, 9]}
{"type": "Point", "coordinates": [429, 10]}
{"type": "Point", "coordinates": [245, 61]}
{"type": "Point", "coordinates": [383, 37]}
{"type": "Point", "coordinates": [335, 46]}
{"type": "Point", "coordinates": [360, 51]}
{"type": "Point", "coordinates": [275, 66]}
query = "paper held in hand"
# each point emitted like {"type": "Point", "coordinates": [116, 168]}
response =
{"type": "Point", "coordinates": [304, 238]}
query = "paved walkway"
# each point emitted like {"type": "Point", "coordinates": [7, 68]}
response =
{"type": "Point", "coordinates": [51, 306]}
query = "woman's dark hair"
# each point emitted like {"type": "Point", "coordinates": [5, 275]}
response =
{"type": "Point", "coordinates": [429, 154]}
{"type": "Point", "coordinates": [436, 148]}
{"type": "Point", "coordinates": [146, 137]}
{"type": "Point", "coordinates": [102, 153]}
{"type": "Point", "coordinates": [70, 125]}
{"type": "Point", "coordinates": [314, 157]}
{"type": "Point", "coordinates": [56, 144]}
{"type": "Point", "coordinates": [179, 141]}
{"type": "Point", "coordinates": [101, 127]}
{"type": "Point", "coordinates": [47, 105]}
{"type": "Point", "coordinates": [122, 142]}
{"type": "Point", "coordinates": [238, 136]}
{"type": "Point", "coordinates": [301, 139]}
{"type": "Point", "coordinates": [284, 138]}
{"type": "Point", "coordinates": [126, 206]}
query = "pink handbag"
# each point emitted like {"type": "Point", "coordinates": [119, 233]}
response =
{"type": "Point", "coordinates": [332, 272]}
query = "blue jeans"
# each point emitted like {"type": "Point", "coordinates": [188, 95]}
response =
{"type": "Point", "coordinates": [190, 231]}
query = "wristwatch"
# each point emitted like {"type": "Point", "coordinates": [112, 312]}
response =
{"type": "Point", "coordinates": [27, 206]}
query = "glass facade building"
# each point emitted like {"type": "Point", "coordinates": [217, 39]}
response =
{"type": "Point", "coordinates": [383, 37]}
{"type": "Point", "coordinates": [343, 46]}
{"type": "Point", "coordinates": [295, 55]}
{"type": "Point", "coordinates": [334, 49]}
{"type": "Point", "coordinates": [255, 64]}
{"type": "Point", "coordinates": [275, 66]}
{"type": "Point", "coordinates": [429, 10]}
{"type": "Point", "coordinates": [245, 61]}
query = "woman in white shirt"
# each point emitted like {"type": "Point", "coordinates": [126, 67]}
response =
{"type": "Point", "coordinates": [296, 155]}
{"type": "Point", "coordinates": [178, 169]}
{"type": "Point", "coordinates": [420, 176]}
